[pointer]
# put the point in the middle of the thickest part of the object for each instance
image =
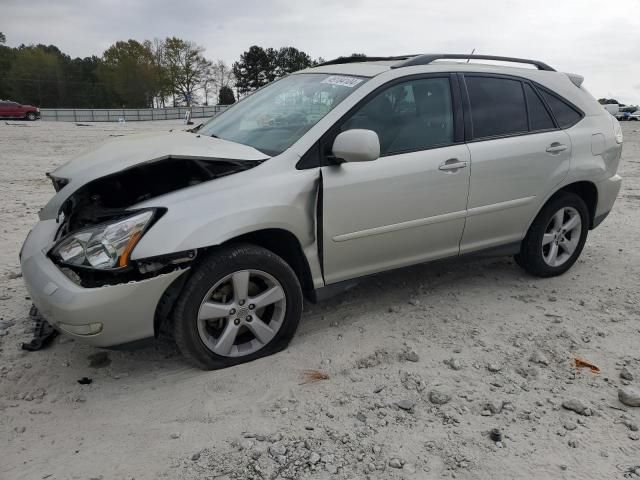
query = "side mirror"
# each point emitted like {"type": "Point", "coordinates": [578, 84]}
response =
{"type": "Point", "coordinates": [357, 145]}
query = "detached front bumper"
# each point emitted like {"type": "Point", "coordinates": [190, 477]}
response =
{"type": "Point", "coordinates": [104, 316]}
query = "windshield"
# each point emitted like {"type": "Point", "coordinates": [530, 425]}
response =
{"type": "Point", "coordinates": [275, 117]}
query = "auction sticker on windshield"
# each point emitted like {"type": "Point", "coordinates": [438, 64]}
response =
{"type": "Point", "coordinates": [342, 80]}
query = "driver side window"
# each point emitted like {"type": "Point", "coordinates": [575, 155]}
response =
{"type": "Point", "coordinates": [409, 116]}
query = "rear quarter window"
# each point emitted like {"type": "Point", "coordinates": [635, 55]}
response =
{"type": "Point", "coordinates": [539, 117]}
{"type": "Point", "coordinates": [565, 114]}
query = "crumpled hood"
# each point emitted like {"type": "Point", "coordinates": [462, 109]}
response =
{"type": "Point", "coordinates": [131, 150]}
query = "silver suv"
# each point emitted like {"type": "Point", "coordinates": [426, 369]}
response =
{"type": "Point", "coordinates": [351, 168]}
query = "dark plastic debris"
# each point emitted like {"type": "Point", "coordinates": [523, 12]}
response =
{"type": "Point", "coordinates": [496, 435]}
{"type": "Point", "coordinates": [43, 333]}
{"type": "Point", "coordinates": [99, 360]}
{"type": "Point", "coordinates": [85, 381]}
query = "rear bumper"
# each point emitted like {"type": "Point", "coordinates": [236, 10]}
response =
{"type": "Point", "coordinates": [103, 316]}
{"type": "Point", "coordinates": [607, 193]}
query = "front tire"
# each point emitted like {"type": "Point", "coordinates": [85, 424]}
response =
{"type": "Point", "coordinates": [556, 237]}
{"type": "Point", "coordinates": [31, 116]}
{"type": "Point", "coordinates": [241, 303]}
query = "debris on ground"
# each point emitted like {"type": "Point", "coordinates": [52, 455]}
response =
{"type": "Point", "coordinates": [311, 376]}
{"type": "Point", "coordinates": [85, 381]}
{"type": "Point", "coordinates": [582, 363]}
{"type": "Point", "coordinates": [43, 332]}
{"type": "Point", "coordinates": [495, 435]}
{"type": "Point", "coordinates": [99, 360]}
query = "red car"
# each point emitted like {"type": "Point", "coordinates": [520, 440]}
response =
{"type": "Point", "coordinates": [9, 109]}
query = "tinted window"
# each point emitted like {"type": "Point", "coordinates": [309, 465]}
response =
{"type": "Point", "coordinates": [408, 116]}
{"type": "Point", "coordinates": [539, 118]}
{"type": "Point", "coordinates": [564, 113]}
{"type": "Point", "coordinates": [497, 106]}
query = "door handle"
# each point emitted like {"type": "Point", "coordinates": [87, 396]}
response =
{"type": "Point", "coordinates": [556, 147]}
{"type": "Point", "coordinates": [452, 165]}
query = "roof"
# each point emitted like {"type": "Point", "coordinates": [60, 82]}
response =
{"type": "Point", "coordinates": [372, 66]}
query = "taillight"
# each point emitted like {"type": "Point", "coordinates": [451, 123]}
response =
{"type": "Point", "coordinates": [617, 131]}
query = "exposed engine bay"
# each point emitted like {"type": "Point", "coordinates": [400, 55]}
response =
{"type": "Point", "coordinates": [108, 198]}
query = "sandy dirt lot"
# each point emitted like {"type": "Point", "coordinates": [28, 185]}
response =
{"type": "Point", "coordinates": [422, 364]}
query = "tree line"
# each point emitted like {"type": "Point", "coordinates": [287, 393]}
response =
{"type": "Point", "coordinates": [134, 74]}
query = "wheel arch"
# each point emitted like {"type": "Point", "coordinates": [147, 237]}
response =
{"type": "Point", "coordinates": [588, 192]}
{"type": "Point", "coordinates": [277, 240]}
{"type": "Point", "coordinates": [584, 189]}
{"type": "Point", "coordinates": [287, 246]}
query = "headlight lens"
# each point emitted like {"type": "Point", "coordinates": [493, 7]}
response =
{"type": "Point", "coordinates": [105, 246]}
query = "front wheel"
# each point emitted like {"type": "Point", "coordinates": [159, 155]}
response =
{"type": "Point", "coordinates": [242, 303]}
{"type": "Point", "coordinates": [556, 237]}
{"type": "Point", "coordinates": [31, 116]}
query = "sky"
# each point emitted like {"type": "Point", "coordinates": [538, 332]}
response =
{"type": "Point", "coordinates": [599, 39]}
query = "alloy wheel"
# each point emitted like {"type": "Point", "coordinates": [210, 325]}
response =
{"type": "Point", "coordinates": [561, 237]}
{"type": "Point", "coordinates": [241, 313]}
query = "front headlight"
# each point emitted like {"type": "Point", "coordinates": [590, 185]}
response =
{"type": "Point", "coordinates": [103, 247]}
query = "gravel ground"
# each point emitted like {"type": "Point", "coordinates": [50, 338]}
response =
{"type": "Point", "coordinates": [420, 365]}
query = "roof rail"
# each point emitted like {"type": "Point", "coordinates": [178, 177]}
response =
{"type": "Point", "coordinates": [429, 58]}
{"type": "Point", "coordinates": [358, 59]}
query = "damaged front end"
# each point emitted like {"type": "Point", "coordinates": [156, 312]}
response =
{"type": "Point", "coordinates": [99, 226]}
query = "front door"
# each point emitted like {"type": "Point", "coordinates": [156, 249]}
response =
{"type": "Point", "coordinates": [409, 205]}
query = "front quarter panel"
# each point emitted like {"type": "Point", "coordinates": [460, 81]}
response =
{"type": "Point", "coordinates": [213, 213]}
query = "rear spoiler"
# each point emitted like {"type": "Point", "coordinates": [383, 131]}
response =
{"type": "Point", "coordinates": [575, 79]}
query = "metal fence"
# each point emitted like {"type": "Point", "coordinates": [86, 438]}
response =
{"type": "Point", "coordinates": [126, 114]}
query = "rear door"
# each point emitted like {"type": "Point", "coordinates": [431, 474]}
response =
{"type": "Point", "coordinates": [518, 154]}
{"type": "Point", "coordinates": [409, 205]}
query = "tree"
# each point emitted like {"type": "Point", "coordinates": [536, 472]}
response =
{"type": "Point", "coordinates": [253, 70]}
{"type": "Point", "coordinates": [259, 66]}
{"type": "Point", "coordinates": [186, 67]}
{"type": "Point", "coordinates": [36, 76]}
{"type": "Point", "coordinates": [290, 59]}
{"type": "Point", "coordinates": [129, 71]}
{"type": "Point", "coordinates": [225, 96]}
{"type": "Point", "coordinates": [7, 57]}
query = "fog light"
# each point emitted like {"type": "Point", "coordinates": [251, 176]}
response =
{"type": "Point", "coordinates": [89, 329]}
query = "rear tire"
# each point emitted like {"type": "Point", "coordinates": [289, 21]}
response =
{"type": "Point", "coordinates": [556, 236]}
{"type": "Point", "coordinates": [241, 303]}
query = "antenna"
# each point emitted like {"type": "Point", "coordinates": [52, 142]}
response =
{"type": "Point", "coordinates": [472, 52]}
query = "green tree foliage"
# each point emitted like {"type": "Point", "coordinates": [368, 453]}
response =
{"type": "Point", "coordinates": [254, 69]}
{"type": "Point", "coordinates": [36, 76]}
{"type": "Point", "coordinates": [186, 67]}
{"type": "Point", "coordinates": [225, 96]}
{"type": "Point", "coordinates": [129, 70]}
{"type": "Point", "coordinates": [259, 66]}
{"type": "Point", "coordinates": [137, 74]}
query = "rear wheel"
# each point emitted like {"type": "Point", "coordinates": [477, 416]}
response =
{"type": "Point", "coordinates": [242, 303]}
{"type": "Point", "coordinates": [556, 237]}
{"type": "Point", "coordinates": [31, 116]}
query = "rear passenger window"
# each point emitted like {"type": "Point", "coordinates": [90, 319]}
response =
{"type": "Point", "coordinates": [408, 116]}
{"type": "Point", "coordinates": [539, 118]}
{"type": "Point", "coordinates": [497, 106]}
{"type": "Point", "coordinates": [565, 114]}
